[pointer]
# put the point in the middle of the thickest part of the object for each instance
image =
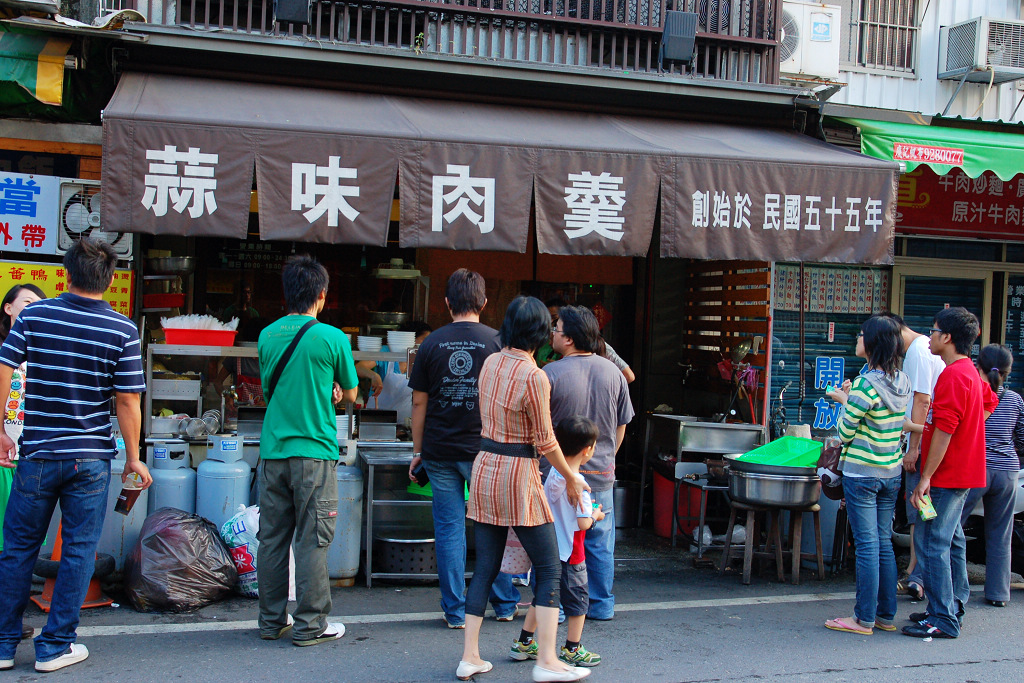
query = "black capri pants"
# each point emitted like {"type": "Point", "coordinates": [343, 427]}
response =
{"type": "Point", "coordinates": [540, 544]}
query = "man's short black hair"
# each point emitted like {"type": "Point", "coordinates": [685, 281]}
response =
{"type": "Point", "coordinates": [466, 292]}
{"type": "Point", "coordinates": [961, 325]}
{"type": "Point", "coordinates": [575, 434]}
{"type": "Point", "coordinates": [527, 324]}
{"type": "Point", "coordinates": [899, 320]}
{"type": "Point", "coordinates": [90, 265]}
{"type": "Point", "coordinates": [303, 278]}
{"type": "Point", "coordinates": [556, 302]}
{"type": "Point", "coordinates": [580, 324]}
{"type": "Point", "coordinates": [417, 327]}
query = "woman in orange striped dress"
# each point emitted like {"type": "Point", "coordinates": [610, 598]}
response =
{"type": "Point", "coordinates": [506, 490]}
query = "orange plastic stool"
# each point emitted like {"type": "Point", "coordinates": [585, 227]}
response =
{"type": "Point", "coordinates": [93, 597]}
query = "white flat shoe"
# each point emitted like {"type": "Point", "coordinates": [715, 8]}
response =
{"type": "Point", "coordinates": [573, 673]}
{"type": "Point", "coordinates": [74, 654]}
{"type": "Point", "coordinates": [466, 670]}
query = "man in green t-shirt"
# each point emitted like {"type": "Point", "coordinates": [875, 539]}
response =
{"type": "Point", "coordinates": [299, 453]}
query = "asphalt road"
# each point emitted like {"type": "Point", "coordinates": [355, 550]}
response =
{"type": "Point", "coordinates": [673, 623]}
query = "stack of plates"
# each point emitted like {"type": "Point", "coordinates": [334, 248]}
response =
{"type": "Point", "coordinates": [398, 342]}
{"type": "Point", "coordinates": [343, 426]}
{"type": "Point", "coordinates": [369, 343]}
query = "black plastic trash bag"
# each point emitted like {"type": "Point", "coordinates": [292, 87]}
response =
{"type": "Point", "coordinates": [179, 564]}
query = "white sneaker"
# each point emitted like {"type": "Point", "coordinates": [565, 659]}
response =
{"type": "Point", "coordinates": [332, 632]}
{"type": "Point", "coordinates": [6, 664]}
{"type": "Point", "coordinates": [75, 653]}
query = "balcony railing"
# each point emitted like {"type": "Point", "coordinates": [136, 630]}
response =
{"type": "Point", "coordinates": [736, 39]}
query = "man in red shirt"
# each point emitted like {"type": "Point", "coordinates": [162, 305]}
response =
{"type": "Point", "coordinates": [952, 461]}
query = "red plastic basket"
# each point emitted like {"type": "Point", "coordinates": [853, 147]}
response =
{"type": "Point", "coordinates": [200, 337]}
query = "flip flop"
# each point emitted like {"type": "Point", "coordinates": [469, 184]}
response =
{"type": "Point", "coordinates": [842, 624]}
{"type": "Point", "coordinates": [885, 627]}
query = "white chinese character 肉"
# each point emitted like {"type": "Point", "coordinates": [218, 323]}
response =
{"type": "Point", "coordinates": [328, 198]}
{"type": "Point", "coordinates": [193, 187]}
{"type": "Point", "coordinates": [464, 191]}
{"type": "Point", "coordinates": [594, 203]}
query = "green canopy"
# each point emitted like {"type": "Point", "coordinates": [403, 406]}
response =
{"type": "Point", "coordinates": [942, 148]}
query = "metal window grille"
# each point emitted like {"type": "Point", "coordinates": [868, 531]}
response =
{"type": "Point", "coordinates": [888, 34]}
{"type": "Point", "coordinates": [108, 7]}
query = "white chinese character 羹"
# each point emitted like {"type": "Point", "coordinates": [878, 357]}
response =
{"type": "Point", "coordinates": [465, 190]}
{"type": "Point", "coordinates": [332, 194]}
{"type": "Point", "coordinates": [195, 185]}
{"type": "Point", "coordinates": [594, 202]}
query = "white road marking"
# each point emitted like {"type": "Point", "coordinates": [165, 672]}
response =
{"type": "Point", "coordinates": [199, 627]}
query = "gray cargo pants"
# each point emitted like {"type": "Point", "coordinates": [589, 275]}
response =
{"type": "Point", "coordinates": [298, 497]}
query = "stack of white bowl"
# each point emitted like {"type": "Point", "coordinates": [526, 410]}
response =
{"type": "Point", "coordinates": [369, 343]}
{"type": "Point", "coordinates": [343, 426]}
{"type": "Point", "coordinates": [398, 342]}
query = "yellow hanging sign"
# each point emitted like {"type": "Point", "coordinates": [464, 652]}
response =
{"type": "Point", "coordinates": [52, 279]}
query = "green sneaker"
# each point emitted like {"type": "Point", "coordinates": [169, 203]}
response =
{"type": "Point", "coordinates": [523, 651]}
{"type": "Point", "coordinates": [581, 656]}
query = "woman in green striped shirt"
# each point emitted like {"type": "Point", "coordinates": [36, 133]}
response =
{"type": "Point", "coordinates": [871, 463]}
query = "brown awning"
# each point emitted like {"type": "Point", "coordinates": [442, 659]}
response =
{"type": "Point", "coordinates": [326, 162]}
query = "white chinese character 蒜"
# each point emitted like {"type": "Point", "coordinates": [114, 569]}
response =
{"type": "Point", "coordinates": [722, 211]}
{"type": "Point", "coordinates": [329, 198]}
{"type": "Point", "coordinates": [741, 215]}
{"type": "Point", "coordinates": [465, 190]}
{"type": "Point", "coordinates": [771, 211]}
{"type": "Point", "coordinates": [594, 203]}
{"type": "Point", "coordinates": [791, 214]}
{"type": "Point", "coordinates": [813, 213]}
{"type": "Point", "coordinates": [701, 209]}
{"type": "Point", "coordinates": [852, 215]}
{"type": "Point", "coordinates": [194, 188]}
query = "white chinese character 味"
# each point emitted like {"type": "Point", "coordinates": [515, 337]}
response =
{"type": "Point", "coordinates": [813, 213]}
{"type": "Point", "coordinates": [464, 191]}
{"type": "Point", "coordinates": [701, 209]}
{"type": "Point", "coordinates": [771, 211]}
{"type": "Point", "coordinates": [852, 214]}
{"type": "Point", "coordinates": [741, 215]}
{"type": "Point", "coordinates": [791, 215]}
{"type": "Point", "coordinates": [722, 211]}
{"type": "Point", "coordinates": [594, 203]}
{"type": "Point", "coordinates": [328, 198]}
{"type": "Point", "coordinates": [194, 188]}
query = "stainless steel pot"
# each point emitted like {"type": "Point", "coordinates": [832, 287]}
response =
{"type": "Point", "coordinates": [776, 490]}
{"type": "Point", "coordinates": [388, 317]}
{"type": "Point", "coordinates": [170, 265]}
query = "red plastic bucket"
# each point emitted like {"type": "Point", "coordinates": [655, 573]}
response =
{"type": "Point", "coordinates": [689, 505]}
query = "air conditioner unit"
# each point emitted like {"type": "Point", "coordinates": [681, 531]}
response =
{"type": "Point", "coordinates": [80, 217]}
{"type": "Point", "coordinates": [810, 40]}
{"type": "Point", "coordinates": [980, 48]}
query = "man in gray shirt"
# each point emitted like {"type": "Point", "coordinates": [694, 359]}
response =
{"type": "Point", "coordinates": [584, 383]}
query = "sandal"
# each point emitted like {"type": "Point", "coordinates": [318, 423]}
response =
{"type": "Point", "coordinates": [885, 627]}
{"type": "Point", "coordinates": [847, 624]}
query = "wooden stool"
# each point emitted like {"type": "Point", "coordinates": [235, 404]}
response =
{"type": "Point", "coordinates": [774, 541]}
{"type": "Point", "coordinates": [796, 524]}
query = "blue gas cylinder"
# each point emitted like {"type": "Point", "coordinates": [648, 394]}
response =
{"type": "Point", "coordinates": [220, 488]}
{"type": "Point", "coordinates": [174, 480]}
{"type": "Point", "coordinates": [344, 551]}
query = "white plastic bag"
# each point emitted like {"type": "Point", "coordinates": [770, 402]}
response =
{"type": "Point", "coordinates": [515, 560]}
{"type": "Point", "coordinates": [240, 535]}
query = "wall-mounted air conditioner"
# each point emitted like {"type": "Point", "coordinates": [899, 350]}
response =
{"type": "Point", "coordinates": [983, 48]}
{"type": "Point", "coordinates": [810, 40]}
{"type": "Point", "coordinates": [80, 217]}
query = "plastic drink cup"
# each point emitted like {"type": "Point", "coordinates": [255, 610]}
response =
{"type": "Point", "coordinates": [927, 510]}
{"type": "Point", "coordinates": [129, 494]}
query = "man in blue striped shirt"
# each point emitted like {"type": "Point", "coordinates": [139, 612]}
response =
{"type": "Point", "coordinates": [80, 355]}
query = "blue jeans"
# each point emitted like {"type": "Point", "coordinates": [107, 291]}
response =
{"type": "Point", "coordinates": [599, 544]}
{"type": "Point", "coordinates": [941, 543]}
{"type": "Point", "coordinates": [998, 495]}
{"type": "Point", "coordinates": [448, 480]}
{"type": "Point", "coordinates": [913, 517]}
{"type": "Point", "coordinates": [81, 488]}
{"type": "Point", "coordinates": [870, 503]}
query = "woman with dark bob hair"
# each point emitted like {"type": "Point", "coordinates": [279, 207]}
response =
{"type": "Point", "coordinates": [871, 462]}
{"type": "Point", "coordinates": [506, 490]}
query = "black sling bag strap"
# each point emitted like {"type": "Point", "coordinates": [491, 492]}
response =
{"type": "Point", "coordinates": [287, 356]}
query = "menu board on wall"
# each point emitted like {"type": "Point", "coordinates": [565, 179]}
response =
{"type": "Point", "coordinates": [51, 278]}
{"type": "Point", "coordinates": [832, 290]}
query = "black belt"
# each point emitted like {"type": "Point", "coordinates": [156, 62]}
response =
{"type": "Point", "coordinates": [514, 450]}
